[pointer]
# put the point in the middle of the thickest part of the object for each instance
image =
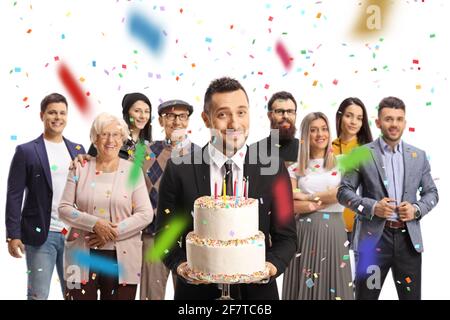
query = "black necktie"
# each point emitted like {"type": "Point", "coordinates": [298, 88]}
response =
{"type": "Point", "coordinates": [229, 177]}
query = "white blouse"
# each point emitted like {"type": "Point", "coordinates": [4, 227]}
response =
{"type": "Point", "coordinates": [317, 179]}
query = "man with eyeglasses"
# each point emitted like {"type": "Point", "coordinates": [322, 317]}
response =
{"type": "Point", "coordinates": [282, 115]}
{"type": "Point", "coordinates": [174, 118]}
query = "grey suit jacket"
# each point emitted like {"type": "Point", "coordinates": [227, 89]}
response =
{"type": "Point", "coordinates": [370, 176]}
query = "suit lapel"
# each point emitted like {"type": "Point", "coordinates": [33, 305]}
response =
{"type": "Point", "coordinates": [250, 171]}
{"type": "Point", "coordinates": [378, 159]}
{"type": "Point", "coordinates": [408, 166]}
{"type": "Point", "coordinates": [43, 158]}
{"type": "Point", "coordinates": [70, 148]}
{"type": "Point", "coordinates": [201, 171]}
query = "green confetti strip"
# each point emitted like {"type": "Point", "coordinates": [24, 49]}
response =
{"type": "Point", "coordinates": [137, 165]}
{"type": "Point", "coordinates": [353, 160]}
{"type": "Point", "coordinates": [167, 239]}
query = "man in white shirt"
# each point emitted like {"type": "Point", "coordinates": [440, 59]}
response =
{"type": "Point", "coordinates": [39, 169]}
{"type": "Point", "coordinates": [226, 114]}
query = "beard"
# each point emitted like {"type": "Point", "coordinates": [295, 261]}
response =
{"type": "Point", "coordinates": [285, 133]}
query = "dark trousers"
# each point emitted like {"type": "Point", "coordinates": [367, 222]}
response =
{"type": "Point", "coordinates": [394, 250]}
{"type": "Point", "coordinates": [109, 286]}
{"type": "Point", "coordinates": [185, 291]}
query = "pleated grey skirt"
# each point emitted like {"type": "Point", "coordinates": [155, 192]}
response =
{"type": "Point", "coordinates": [321, 268]}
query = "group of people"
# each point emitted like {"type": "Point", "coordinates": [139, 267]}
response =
{"type": "Point", "coordinates": [114, 202]}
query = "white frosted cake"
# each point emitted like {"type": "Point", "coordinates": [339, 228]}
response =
{"type": "Point", "coordinates": [226, 245]}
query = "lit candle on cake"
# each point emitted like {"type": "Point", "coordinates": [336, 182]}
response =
{"type": "Point", "coordinates": [236, 194]}
{"type": "Point", "coordinates": [245, 188]}
{"type": "Point", "coordinates": [224, 191]}
{"type": "Point", "coordinates": [215, 190]}
{"type": "Point", "coordinates": [234, 190]}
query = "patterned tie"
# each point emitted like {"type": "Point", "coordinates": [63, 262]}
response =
{"type": "Point", "coordinates": [229, 177]}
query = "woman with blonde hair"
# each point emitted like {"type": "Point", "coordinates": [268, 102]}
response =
{"type": "Point", "coordinates": [321, 268]}
{"type": "Point", "coordinates": [106, 211]}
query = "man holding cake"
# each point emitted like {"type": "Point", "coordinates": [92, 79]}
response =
{"type": "Point", "coordinates": [234, 232]}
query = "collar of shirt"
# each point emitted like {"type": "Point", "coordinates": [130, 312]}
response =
{"type": "Point", "coordinates": [219, 158]}
{"type": "Point", "coordinates": [385, 147]}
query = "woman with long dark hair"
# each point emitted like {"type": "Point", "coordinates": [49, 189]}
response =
{"type": "Point", "coordinates": [353, 130]}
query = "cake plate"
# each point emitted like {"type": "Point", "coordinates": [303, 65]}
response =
{"type": "Point", "coordinates": [224, 281]}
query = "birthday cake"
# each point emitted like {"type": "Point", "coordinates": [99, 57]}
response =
{"type": "Point", "coordinates": [226, 245]}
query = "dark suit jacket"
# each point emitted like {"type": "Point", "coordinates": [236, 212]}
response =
{"type": "Point", "coordinates": [184, 182]}
{"type": "Point", "coordinates": [30, 173]}
{"type": "Point", "coordinates": [287, 149]}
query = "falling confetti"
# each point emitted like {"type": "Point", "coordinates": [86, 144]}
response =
{"type": "Point", "coordinates": [356, 158]}
{"type": "Point", "coordinates": [282, 197]}
{"type": "Point", "coordinates": [144, 30]}
{"type": "Point", "coordinates": [136, 168]}
{"type": "Point", "coordinates": [167, 239]}
{"type": "Point", "coordinates": [283, 54]}
{"type": "Point", "coordinates": [75, 91]}
{"type": "Point", "coordinates": [97, 263]}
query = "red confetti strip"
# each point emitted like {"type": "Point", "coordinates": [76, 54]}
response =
{"type": "Point", "coordinates": [284, 55]}
{"type": "Point", "coordinates": [70, 83]}
{"type": "Point", "coordinates": [283, 201]}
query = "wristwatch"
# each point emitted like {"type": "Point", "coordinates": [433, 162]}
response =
{"type": "Point", "coordinates": [417, 213]}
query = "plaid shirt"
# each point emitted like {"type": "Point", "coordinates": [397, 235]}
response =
{"type": "Point", "coordinates": [160, 152]}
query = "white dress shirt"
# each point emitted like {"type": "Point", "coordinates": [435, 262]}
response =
{"type": "Point", "coordinates": [217, 168]}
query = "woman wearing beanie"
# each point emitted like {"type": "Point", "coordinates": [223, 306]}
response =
{"type": "Point", "coordinates": [136, 111]}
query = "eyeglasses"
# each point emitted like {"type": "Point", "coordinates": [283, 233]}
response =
{"type": "Point", "coordinates": [173, 116]}
{"type": "Point", "coordinates": [114, 135]}
{"type": "Point", "coordinates": [280, 112]}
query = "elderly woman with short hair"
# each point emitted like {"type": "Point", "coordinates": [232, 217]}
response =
{"type": "Point", "coordinates": [106, 212]}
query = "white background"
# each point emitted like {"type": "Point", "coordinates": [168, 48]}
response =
{"type": "Point", "coordinates": [97, 31]}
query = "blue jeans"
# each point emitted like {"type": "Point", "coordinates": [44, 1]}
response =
{"type": "Point", "coordinates": [41, 261]}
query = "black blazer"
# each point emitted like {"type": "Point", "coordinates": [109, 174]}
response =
{"type": "Point", "coordinates": [30, 172]}
{"type": "Point", "coordinates": [189, 179]}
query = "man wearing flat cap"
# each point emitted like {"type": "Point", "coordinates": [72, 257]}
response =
{"type": "Point", "coordinates": [174, 118]}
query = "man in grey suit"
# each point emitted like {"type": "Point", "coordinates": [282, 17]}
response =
{"type": "Point", "coordinates": [387, 230]}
